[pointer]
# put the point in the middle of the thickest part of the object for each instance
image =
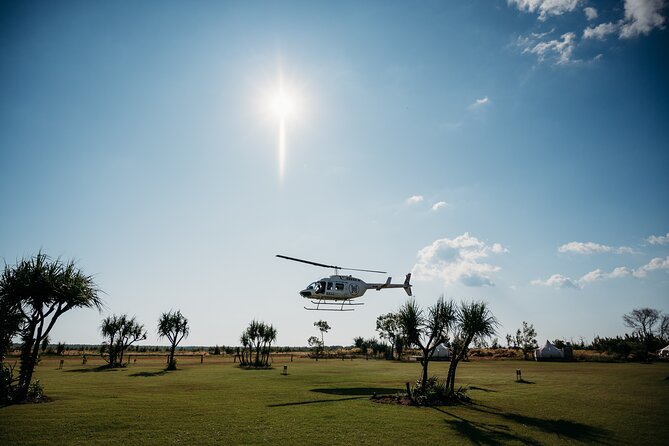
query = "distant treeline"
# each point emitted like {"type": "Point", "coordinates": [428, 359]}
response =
{"type": "Point", "coordinates": [62, 348]}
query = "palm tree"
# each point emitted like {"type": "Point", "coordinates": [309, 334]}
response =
{"type": "Point", "coordinates": [426, 332]}
{"type": "Point", "coordinates": [42, 289]}
{"type": "Point", "coordinates": [269, 337]}
{"type": "Point", "coordinates": [121, 332]}
{"type": "Point", "coordinates": [246, 343]}
{"type": "Point", "coordinates": [174, 327]}
{"type": "Point", "coordinates": [474, 321]}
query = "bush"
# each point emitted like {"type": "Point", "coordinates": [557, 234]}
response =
{"type": "Point", "coordinates": [35, 391]}
{"type": "Point", "coordinates": [436, 394]}
{"type": "Point", "coordinates": [9, 387]}
{"type": "Point", "coordinates": [7, 383]}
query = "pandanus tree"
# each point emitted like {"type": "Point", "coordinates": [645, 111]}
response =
{"type": "Point", "coordinates": [474, 320]}
{"type": "Point", "coordinates": [36, 292]}
{"type": "Point", "coordinates": [426, 331]}
{"type": "Point", "coordinates": [258, 336]}
{"type": "Point", "coordinates": [173, 326]}
{"type": "Point", "coordinates": [120, 332]}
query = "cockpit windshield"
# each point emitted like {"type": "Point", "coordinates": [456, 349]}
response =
{"type": "Point", "coordinates": [317, 287]}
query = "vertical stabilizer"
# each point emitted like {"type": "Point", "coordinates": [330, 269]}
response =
{"type": "Point", "coordinates": [407, 285]}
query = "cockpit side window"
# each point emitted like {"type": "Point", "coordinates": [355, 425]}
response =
{"type": "Point", "coordinates": [329, 286]}
{"type": "Point", "coordinates": [339, 286]}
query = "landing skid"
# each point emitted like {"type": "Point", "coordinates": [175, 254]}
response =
{"type": "Point", "coordinates": [341, 305]}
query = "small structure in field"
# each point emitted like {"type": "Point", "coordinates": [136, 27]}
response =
{"type": "Point", "coordinates": [441, 353]}
{"type": "Point", "coordinates": [548, 352]}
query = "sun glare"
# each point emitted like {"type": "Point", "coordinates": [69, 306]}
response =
{"type": "Point", "coordinates": [282, 104]}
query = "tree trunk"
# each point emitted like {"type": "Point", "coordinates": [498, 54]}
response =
{"type": "Point", "coordinates": [425, 362]}
{"type": "Point", "coordinates": [172, 365]}
{"type": "Point", "coordinates": [454, 365]}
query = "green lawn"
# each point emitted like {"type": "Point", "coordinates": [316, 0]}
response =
{"type": "Point", "coordinates": [327, 402]}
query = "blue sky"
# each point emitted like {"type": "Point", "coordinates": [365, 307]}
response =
{"type": "Point", "coordinates": [514, 152]}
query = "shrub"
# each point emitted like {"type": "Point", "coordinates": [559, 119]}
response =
{"type": "Point", "coordinates": [436, 393]}
{"type": "Point", "coordinates": [35, 391]}
{"type": "Point", "coordinates": [7, 383]}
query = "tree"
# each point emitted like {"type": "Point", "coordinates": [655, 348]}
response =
{"type": "Point", "coordinates": [526, 339]}
{"type": "Point", "coordinates": [642, 321]}
{"type": "Point", "coordinates": [473, 320]}
{"type": "Point", "coordinates": [664, 328]}
{"type": "Point", "coordinates": [10, 323]}
{"type": "Point", "coordinates": [269, 336]}
{"type": "Point", "coordinates": [316, 344]}
{"type": "Point", "coordinates": [387, 325]}
{"type": "Point", "coordinates": [426, 331]}
{"type": "Point", "coordinates": [258, 336]}
{"type": "Point", "coordinates": [120, 332]}
{"type": "Point", "coordinates": [173, 326]}
{"type": "Point", "coordinates": [324, 328]}
{"type": "Point", "coordinates": [41, 290]}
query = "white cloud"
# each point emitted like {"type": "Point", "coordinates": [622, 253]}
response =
{"type": "Point", "coordinates": [656, 264]}
{"type": "Point", "coordinates": [600, 31]}
{"type": "Point", "coordinates": [641, 17]}
{"type": "Point", "coordinates": [590, 13]}
{"type": "Point", "coordinates": [457, 260]}
{"type": "Point", "coordinates": [561, 49]}
{"type": "Point", "coordinates": [558, 281]}
{"type": "Point", "coordinates": [658, 239]}
{"type": "Point", "coordinates": [545, 7]}
{"type": "Point", "coordinates": [479, 103]}
{"type": "Point", "coordinates": [438, 205]}
{"type": "Point", "coordinates": [586, 248]}
{"type": "Point", "coordinates": [414, 199]}
{"type": "Point", "coordinates": [598, 274]}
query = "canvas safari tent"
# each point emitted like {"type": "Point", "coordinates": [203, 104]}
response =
{"type": "Point", "coordinates": [441, 352]}
{"type": "Point", "coordinates": [548, 352]}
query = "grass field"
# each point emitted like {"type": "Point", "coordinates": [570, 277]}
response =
{"type": "Point", "coordinates": [327, 402]}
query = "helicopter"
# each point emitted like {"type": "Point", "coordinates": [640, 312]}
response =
{"type": "Point", "coordinates": [336, 292]}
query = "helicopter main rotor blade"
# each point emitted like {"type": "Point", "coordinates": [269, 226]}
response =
{"type": "Point", "coordinates": [329, 266]}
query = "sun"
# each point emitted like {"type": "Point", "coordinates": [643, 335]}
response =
{"type": "Point", "coordinates": [282, 104]}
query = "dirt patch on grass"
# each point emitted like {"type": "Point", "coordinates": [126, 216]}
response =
{"type": "Point", "coordinates": [392, 399]}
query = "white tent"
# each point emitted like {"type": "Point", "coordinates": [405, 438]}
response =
{"type": "Point", "coordinates": [441, 352]}
{"type": "Point", "coordinates": [664, 353]}
{"type": "Point", "coordinates": [547, 352]}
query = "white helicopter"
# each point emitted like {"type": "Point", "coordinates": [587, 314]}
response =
{"type": "Point", "coordinates": [339, 291]}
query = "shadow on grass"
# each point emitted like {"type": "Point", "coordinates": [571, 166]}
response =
{"type": "Point", "coordinates": [300, 403]}
{"type": "Point", "coordinates": [148, 374]}
{"type": "Point", "coordinates": [366, 391]}
{"type": "Point", "coordinates": [522, 381]}
{"type": "Point", "coordinates": [485, 433]}
{"type": "Point", "coordinates": [482, 389]}
{"type": "Point", "coordinates": [102, 368]}
{"type": "Point", "coordinates": [491, 433]}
